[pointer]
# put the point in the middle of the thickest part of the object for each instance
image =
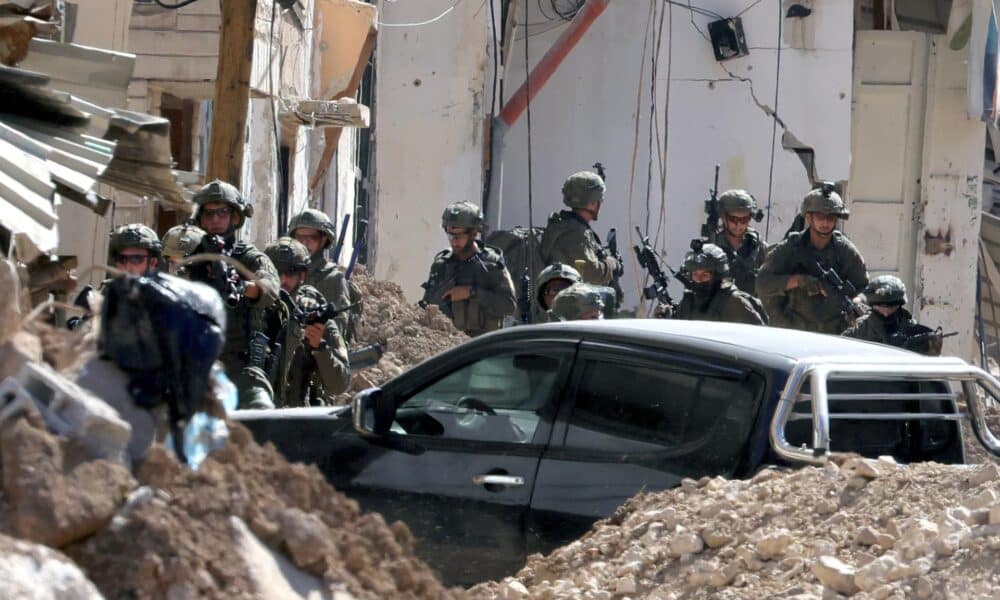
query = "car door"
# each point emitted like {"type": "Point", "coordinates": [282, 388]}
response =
{"type": "Point", "coordinates": [637, 420]}
{"type": "Point", "coordinates": [462, 466]}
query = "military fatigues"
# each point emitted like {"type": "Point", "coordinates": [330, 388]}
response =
{"type": "Point", "coordinates": [329, 281]}
{"type": "Point", "coordinates": [242, 322]}
{"type": "Point", "coordinates": [873, 327]}
{"type": "Point", "coordinates": [307, 376]}
{"type": "Point", "coordinates": [745, 262]}
{"type": "Point", "coordinates": [568, 239]}
{"type": "Point", "coordinates": [726, 304]}
{"type": "Point", "coordinates": [805, 307]}
{"type": "Point", "coordinates": [492, 289]}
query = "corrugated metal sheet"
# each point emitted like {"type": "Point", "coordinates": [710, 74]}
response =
{"type": "Point", "coordinates": [55, 144]}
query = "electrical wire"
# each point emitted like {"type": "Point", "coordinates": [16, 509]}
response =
{"type": "Point", "coordinates": [493, 101]}
{"type": "Point", "coordinates": [278, 183]}
{"type": "Point", "coordinates": [163, 4]}
{"type": "Point", "coordinates": [419, 23]}
{"type": "Point", "coordinates": [666, 130]}
{"type": "Point", "coordinates": [748, 7]}
{"type": "Point", "coordinates": [640, 283]}
{"type": "Point", "coordinates": [774, 124]}
{"type": "Point", "coordinates": [527, 96]}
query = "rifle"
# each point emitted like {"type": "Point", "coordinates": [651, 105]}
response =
{"type": "Point", "coordinates": [711, 225]}
{"type": "Point", "coordinates": [220, 275]}
{"type": "Point", "coordinates": [524, 299]}
{"type": "Point", "coordinates": [340, 239]}
{"type": "Point", "coordinates": [321, 314]}
{"type": "Point", "coordinates": [920, 339]}
{"type": "Point", "coordinates": [648, 260]}
{"type": "Point", "coordinates": [434, 294]}
{"type": "Point", "coordinates": [364, 357]}
{"type": "Point", "coordinates": [83, 301]}
{"type": "Point", "coordinates": [600, 172]}
{"type": "Point", "coordinates": [844, 290]}
{"type": "Point", "coordinates": [359, 241]}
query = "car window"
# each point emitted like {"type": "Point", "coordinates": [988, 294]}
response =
{"type": "Point", "coordinates": [622, 407]}
{"type": "Point", "coordinates": [498, 399]}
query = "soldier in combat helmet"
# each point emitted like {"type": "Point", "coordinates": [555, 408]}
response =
{"type": "Point", "coordinates": [790, 281]}
{"type": "Point", "coordinates": [179, 242]}
{"type": "Point", "coordinates": [135, 249]}
{"type": "Point", "coordinates": [314, 230]}
{"type": "Point", "coordinates": [569, 239]}
{"type": "Point", "coordinates": [221, 212]}
{"type": "Point", "coordinates": [741, 243]}
{"type": "Point", "coordinates": [711, 295]}
{"type": "Point", "coordinates": [469, 281]}
{"type": "Point", "coordinates": [552, 280]}
{"type": "Point", "coordinates": [890, 323]}
{"type": "Point", "coordinates": [313, 361]}
{"type": "Point", "coordinates": [580, 302]}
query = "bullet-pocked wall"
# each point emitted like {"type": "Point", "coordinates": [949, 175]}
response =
{"type": "Point", "coordinates": [643, 94]}
{"type": "Point", "coordinates": [430, 112]}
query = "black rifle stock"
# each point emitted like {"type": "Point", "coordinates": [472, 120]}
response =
{"type": "Point", "coordinates": [648, 260]}
{"type": "Point", "coordinates": [710, 228]}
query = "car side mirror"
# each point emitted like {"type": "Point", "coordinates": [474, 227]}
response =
{"type": "Point", "coordinates": [373, 412]}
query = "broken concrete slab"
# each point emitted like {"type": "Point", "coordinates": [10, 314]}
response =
{"type": "Point", "coordinates": [29, 570]}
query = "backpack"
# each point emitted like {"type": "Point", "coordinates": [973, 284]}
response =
{"type": "Point", "coordinates": [522, 248]}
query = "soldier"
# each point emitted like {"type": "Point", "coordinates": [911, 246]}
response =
{"type": "Point", "coordinates": [568, 238]}
{"type": "Point", "coordinates": [470, 280]}
{"type": "Point", "coordinates": [179, 242]}
{"type": "Point", "coordinates": [314, 230]}
{"type": "Point", "coordinates": [552, 280]}
{"type": "Point", "coordinates": [313, 360]}
{"type": "Point", "coordinates": [711, 295]}
{"type": "Point", "coordinates": [890, 323]}
{"type": "Point", "coordinates": [221, 211]}
{"type": "Point", "coordinates": [135, 249]}
{"type": "Point", "coordinates": [578, 302]}
{"type": "Point", "coordinates": [790, 280]}
{"type": "Point", "coordinates": [740, 242]}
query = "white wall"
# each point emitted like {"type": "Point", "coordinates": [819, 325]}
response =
{"type": "Point", "coordinates": [429, 131]}
{"type": "Point", "coordinates": [587, 113]}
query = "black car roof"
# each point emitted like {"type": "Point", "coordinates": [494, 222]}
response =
{"type": "Point", "coordinates": [750, 342]}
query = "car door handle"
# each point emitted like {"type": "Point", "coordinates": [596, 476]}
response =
{"type": "Point", "coordinates": [507, 480]}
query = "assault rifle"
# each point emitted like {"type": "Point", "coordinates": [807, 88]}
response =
{"type": "Point", "coordinates": [843, 290]}
{"type": "Point", "coordinates": [434, 291]}
{"type": "Point", "coordinates": [711, 225]}
{"type": "Point", "coordinates": [321, 314]}
{"type": "Point", "coordinates": [524, 299]}
{"type": "Point", "coordinates": [648, 260]}
{"type": "Point", "coordinates": [921, 339]}
{"type": "Point", "coordinates": [220, 275]}
{"type": "Point", "coordinates": [364, 357]}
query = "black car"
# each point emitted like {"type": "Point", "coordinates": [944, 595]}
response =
{"type": "Point", "coordinates": [517, 441]}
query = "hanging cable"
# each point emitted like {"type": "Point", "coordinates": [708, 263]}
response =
{"type": "Point", "coordinates": [493, 103]}
{"type": "Point", "coordinates": [163, 4]}
{"type": "Point", "coordinates": [419, 23]}
{"type": "Point", "coordinates": [640, 283]}
{"type": "Point", "coordinates": [695, 9]}
{"type": "Point", "coordinates": [774, 124]}
{"type": "Point", "coordinates": [666, 129]}
{"type": "Point", "coordinates": [531, 208]}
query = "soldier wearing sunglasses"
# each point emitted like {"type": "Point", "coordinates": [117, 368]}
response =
{"type": "Point", "coordinates": [741, 243]}
{"type": "Point", "coordinates": [135, 249]}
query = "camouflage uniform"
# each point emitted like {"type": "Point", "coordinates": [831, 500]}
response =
{"type": "Point", "coordinates": [577, 300]}
{"type": "Point", "coordinates": [745, 261]}
{"type": "Point", "coordinates": [492, 289]}
{"type": "Point", "coordinates": [568, 239]}
{"type": "Point", "coordinates": [327, 277]}
{"type": "Point", "coordinates": [306, 376]}
{"type": "Point", "coordinates": [717, 300]}
{"type": "Point", "coordinates": [896, 329]}
{"type": "Point", "coordinates": [250, 317]}
{"type": "Point", "coordinates": [553, 272]}
{"type": "Point", "coordinates": [805, 307]}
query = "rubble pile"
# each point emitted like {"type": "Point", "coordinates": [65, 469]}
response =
{"type": "Point", "coordinates": [864, 528]}
{"type": "Point", "coordinates": [409, 334]}
{"type": "Point", "coordinates": [246, 524]}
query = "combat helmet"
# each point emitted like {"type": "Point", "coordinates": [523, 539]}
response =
{"type": "Point", "coordinates": [463, 214]}
{"type": "Point", "coordinates": [288, 254]}
{"type": "Point", "coordinates": [181, 240]}
{"type": "Point", "coordinates": [886, 289]}
{"type": "Point", "coordinates": [825, 199]}
{"type": "Point", "coordinates": [576, 300]}
{"type": "Point", "coordinates": [734, 200]}
{"type": "Point", "coordinates": [555, 271]}
{"type": "Point", "coordinates": [220, 191]}
{"type": "Point", "coordinates": [314, 219]}
{"type": "Point", "coordinates": [580, 189]}
{"type": "Point", "coordinates": [706, 257]}
{"type": "Point", "coordinates": [134, 235]}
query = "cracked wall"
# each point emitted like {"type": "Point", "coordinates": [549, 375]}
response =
{"type": "Point", "coordinates": [723, 113]}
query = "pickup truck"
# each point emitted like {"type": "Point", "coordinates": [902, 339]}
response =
{"type": "Point", "coordinates": [517, 441]}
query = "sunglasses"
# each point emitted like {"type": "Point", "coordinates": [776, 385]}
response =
{"type": "Point", "coordinates": [308, 237]}
{"type": "Point", "coordinates": [738, 220]}
{"type": "Point", "coordinates": [225, 211]}
{"type": "Point", "coordinates": [454, 235]}
{"type": "Point", "coordinates": [131, 259]}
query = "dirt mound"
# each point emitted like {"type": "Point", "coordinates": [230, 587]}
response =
{"type": "Point", "coordinates": [409, 333]}
{"type": "Point", "coordinates": [871, 528]}
{"type": "Point", "coordinates": [179, 534]}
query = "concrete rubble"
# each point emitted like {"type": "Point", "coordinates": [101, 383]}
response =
{"type": "Point", "coordinates": [917, 531]}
